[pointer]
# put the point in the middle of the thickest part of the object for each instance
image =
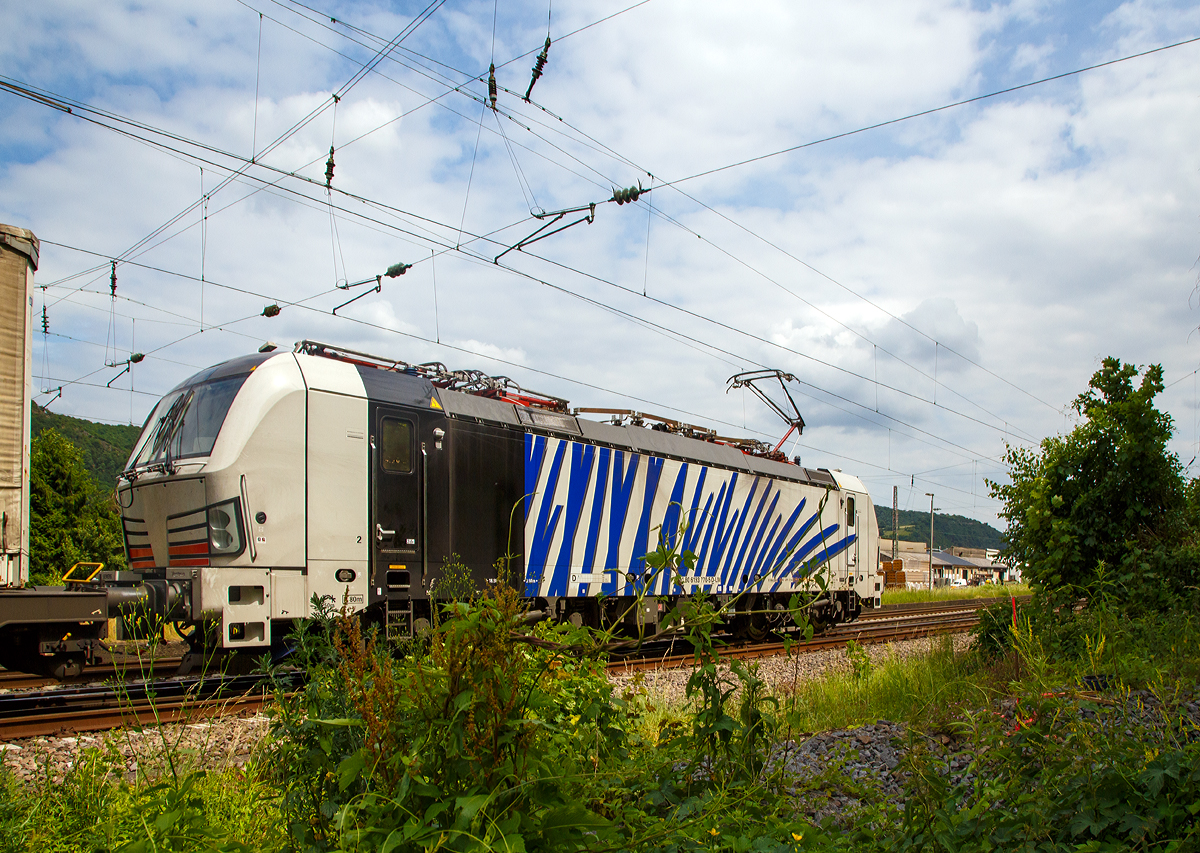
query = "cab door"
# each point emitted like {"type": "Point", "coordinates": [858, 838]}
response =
{"type": "Point", "coordinates": [396, 531]}
{"type": "Point", "coordinates": [852, 530]}
{"type": "Point", "coordinates": [409, 498]}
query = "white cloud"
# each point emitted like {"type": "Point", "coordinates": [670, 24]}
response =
{"type": "Point", "coordinates": [1033, 234]}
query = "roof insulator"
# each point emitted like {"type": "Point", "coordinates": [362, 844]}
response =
{"type": "Point", "coordinates": [492, 85]}
{"type": "Point", "coordinates": [329, 169]}
{"type": "Point", "coordinates": [271, 311]}
{"type": "Point", "coordinates": [538, 67]}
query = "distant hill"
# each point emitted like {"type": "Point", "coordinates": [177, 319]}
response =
{"type": "Point", "coordinates": [949, 531]}
{"type": "Point", "coordinates": [105, 447]}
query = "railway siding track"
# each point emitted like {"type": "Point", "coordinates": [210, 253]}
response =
{"type": "Point", "coordinates": [35, 714]}
{"type": "Point", "coordinates": [903, 622]}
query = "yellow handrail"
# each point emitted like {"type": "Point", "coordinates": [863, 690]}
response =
{"type": "Point", "coordinates": [69, 577]}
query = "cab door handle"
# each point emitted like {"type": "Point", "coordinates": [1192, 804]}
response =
{"type": "Point", "coordinates": [380, 532]}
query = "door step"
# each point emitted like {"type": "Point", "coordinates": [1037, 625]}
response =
{"type": "Point", "coordinates": [399, 619]}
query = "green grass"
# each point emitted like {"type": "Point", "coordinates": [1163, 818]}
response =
{"type": "Point", "coordinates": [91, 809]}
{"type": "Point", "coordinates": [953, 593]}
{"type": "Point", "coordinates": [925, 690]}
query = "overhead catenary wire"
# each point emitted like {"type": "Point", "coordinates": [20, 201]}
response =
{"type": "Point", "coordinates": [439, 343]}
{"type": "Point", "coordinates": [257, 79]}
{"type": "Point", "coordinates": [202, 276]}
{"type": "Point", "coordinates": [385, 206]}
{"type": "Point", "coordinates": [854, 331]}
{"type": "Point", "coordinates": [239, 175]}
{"type": "Point", "coordinates": [934, 110]}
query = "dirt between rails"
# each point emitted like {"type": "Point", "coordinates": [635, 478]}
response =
{"type": "Point", "coordinates": [233, 741]}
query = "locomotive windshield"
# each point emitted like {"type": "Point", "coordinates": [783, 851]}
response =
{"type": "Point", "coordinates": [185, 423]}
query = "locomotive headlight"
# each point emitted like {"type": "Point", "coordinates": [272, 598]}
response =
{"type": "Point", "coordinates": [224, 529]}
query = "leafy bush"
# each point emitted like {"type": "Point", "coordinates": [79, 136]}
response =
{"type": "Point", "coordinates": [1102, 496]}
{"type": "Point", "coordinates": [1060, 773]}
{"type": "Point", "coordinates": [70, 519]}
{"type": "Point", "coordinates": [486, 737]}
{"type": "Point", "coordinates": [470, 744]}
{"type": "Point", "coordinates": [993, 634]}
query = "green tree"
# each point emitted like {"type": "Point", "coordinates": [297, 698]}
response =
{"type": "Point", "coordinates": [70, 519]}
{"type": "Point", "coordinates": [1088, 507]}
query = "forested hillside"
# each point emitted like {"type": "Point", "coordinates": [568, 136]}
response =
{"type": "Point", "coordinates": [104, 447]}
{"type": "Point", "coordinates": [949, 531]}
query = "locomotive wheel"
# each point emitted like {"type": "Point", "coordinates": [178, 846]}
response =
{"type": "Point", "coordinates": [758, 627]}
{"type": "Point", "coordinates": [752, 624]}
{"type": "Point", "coordinates": [819, 621]}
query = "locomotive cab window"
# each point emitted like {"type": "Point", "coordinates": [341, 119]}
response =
{"type": "Point", "coordinates": [395, 446]}
{"type": "Point", "coordinates": [850, 511]}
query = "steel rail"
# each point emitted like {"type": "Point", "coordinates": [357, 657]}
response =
{"type": "Point", "coordinates": [168, 700]}
{"type": "Point", "coordinates": [125, 670]}
{"type": "Point", "coordinates": [135, 713]}
{"type": "Point", "coordinates": [836, 638]}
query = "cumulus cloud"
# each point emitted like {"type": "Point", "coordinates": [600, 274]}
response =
{"type": "Point", "coordinates": [1030, 235]}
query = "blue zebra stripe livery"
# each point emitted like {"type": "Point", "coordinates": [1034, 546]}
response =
{"type": "Point", "coordinates": [592, 513]}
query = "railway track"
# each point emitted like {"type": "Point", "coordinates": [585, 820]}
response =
{"type": "Point", "coordinates": [92, 708]}
{"type": "Point", "coordinates": [123, 671]}
{"type": "Point", "coordinates": [78, 709]}
{"type": "Point", "coordinates": [899, 622]}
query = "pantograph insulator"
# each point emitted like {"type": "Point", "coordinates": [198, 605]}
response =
{"type": "Point", "coordinates": [492, 85]}
{"type": "Point", "coordinates": [538, 67]}
{"type": "Point", "coordinates": [329, 169]}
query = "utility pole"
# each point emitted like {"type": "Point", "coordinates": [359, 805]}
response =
{"type": "Point", "coordinates": [930, 494]}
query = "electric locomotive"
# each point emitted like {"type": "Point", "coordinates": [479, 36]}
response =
{"type": "Point", "coordinates": [272, 478]}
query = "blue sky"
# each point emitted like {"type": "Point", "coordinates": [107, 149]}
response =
{"type": "Point", "coordinates": [939, 286]}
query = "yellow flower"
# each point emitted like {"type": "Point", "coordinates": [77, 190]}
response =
{"type": "Point", "coordinates": [797, 836]}
{"type": "Point", "coordinates": [713, 832]}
